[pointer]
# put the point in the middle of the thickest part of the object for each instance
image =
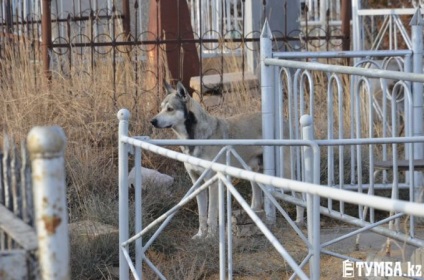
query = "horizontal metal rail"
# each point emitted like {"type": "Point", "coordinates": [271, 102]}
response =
{"type": "Point", "coordinates": [371, 73]}
{"type": "Point", "coordinates": [410, 208]}
{"type": "Point", "coordinates": [282, 142]}
{"type": "Point", "coordinates": [363, 225]}
{"type": "Point", "coordinates": [341, 54]}
{"type": "Point", "coordinates": [381, 12]}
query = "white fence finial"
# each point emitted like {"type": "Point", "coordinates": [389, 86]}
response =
{"type": "Point", "coordinates": [46, 141]}
{"type": "Point", "coordinates": [124, 115]}
{"type": "Point", "coordinates": [417, 19]}
{"type": "Point", "coordinates": [46, 146]}
{"type": "Point", "coordinates": [266, 30]}
{"type": "Point", "coordinates": [305, 120]}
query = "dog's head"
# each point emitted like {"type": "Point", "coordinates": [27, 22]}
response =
{"type": "Point", "coordinates": [173, 109]}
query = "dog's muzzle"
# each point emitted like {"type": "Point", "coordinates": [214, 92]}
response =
{"type": "Point", "coordinates": [154, 122]}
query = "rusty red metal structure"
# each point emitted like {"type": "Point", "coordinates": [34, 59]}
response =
{"type": "Point", "coordinates": [346, 15]}
{"type": "Point", "coordinates": [46, 45]}
{"type": "Point", "coordinates": [170, 21]}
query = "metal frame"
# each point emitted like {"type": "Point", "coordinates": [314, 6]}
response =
{"type": "Point", "coordinates": [313, 190]}
{"type": "Point", "coordinates": [305, 154]}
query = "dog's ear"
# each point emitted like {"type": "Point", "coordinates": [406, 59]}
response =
{"type": "Point", "coordinates": [182, 91]}
{"type": "Point", "coordinates": [168, 88]}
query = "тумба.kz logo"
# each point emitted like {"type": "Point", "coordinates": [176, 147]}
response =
{"type": "Point", "coordinates": [382, 269]}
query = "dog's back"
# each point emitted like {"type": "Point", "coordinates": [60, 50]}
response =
{"type": "Point", "coordinates": [245, 126]}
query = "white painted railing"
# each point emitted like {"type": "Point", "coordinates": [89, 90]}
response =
{"type": "Point", "coordinates": [363, 130]}
{"type": "Point", "coordinates": [311, 156]}
{"type": "Point", "coordinates": [350, 138]}
{"type": "Point", "coordinates": [372, 104]}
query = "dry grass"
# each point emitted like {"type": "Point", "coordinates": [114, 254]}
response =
{"type": "Point", "coordinates": [83, 101]}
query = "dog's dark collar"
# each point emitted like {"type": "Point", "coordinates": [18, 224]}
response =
{"type": "Point", "coordinates": [190, 126]}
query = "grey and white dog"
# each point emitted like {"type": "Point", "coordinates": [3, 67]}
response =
{"type": "Point", "coordinates": [186, 117]}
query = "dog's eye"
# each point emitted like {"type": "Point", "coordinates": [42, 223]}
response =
{"type": "Point", "coordinates": [169, 109]}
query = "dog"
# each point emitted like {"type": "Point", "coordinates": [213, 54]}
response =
{"type": "Point", "coordinates": [186, 117]}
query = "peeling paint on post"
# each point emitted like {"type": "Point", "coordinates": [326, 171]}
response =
{"type": "Point", "coordinates": [46, 146]}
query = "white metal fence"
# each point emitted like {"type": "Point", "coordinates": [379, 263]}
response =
{"type": "Point", "coordinates": [374, 29]}
{"type": "Point", "coordinates": [311, 158]}
{"type": "Point", "coordinates": [369, 118]}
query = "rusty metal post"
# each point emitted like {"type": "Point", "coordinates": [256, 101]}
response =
{"type": "Point", "coordinates": [46, 33]}
{"type": "Point", "coordinates": [169, 20]}
{"type": "Point", "coordinates": [9, 16]}
{"type": "Point", "coordinates": [46, 146]}
{"type": "Point", "coordinates": [346, 12]}
{"type": "Point", "coordinates": [126, 21]}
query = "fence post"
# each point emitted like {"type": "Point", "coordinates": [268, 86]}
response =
{"type": "Point", "coordinates": [417, 94]}
{"type": "Point", "coordinates": [268, 100]}
{"type": "Point", "coordinates": [46, 33]}
{"type": "Point", "coordinates": [313, 201]}
{"type": "Point", "coordinates": [46, 146]}
{"type": "Point", "coordinates": [123, 116]}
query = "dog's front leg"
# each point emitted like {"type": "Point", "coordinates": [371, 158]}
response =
{"type": "Point", "coordinates": [213, 210]}
{"type": "Point", "coordinates": [257, 197]}
{"type": "Point", "coordinates": [300, 212]}
{"type": "Point", "coordinates": [202, 206]}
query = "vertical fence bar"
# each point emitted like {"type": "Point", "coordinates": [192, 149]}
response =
{"type": "Point", "coordinates": [6, 172]}
{"type": "Point", "coordinates": [4, 240]}
{"type": "Point", "coordinates": [417, 93]}
{"type": "Point", "coordinates": [313, 201]}
{"type": "Point", "coordinates": [267, 97]}
{"type": "Point", "coordinates": [356, 26]}
{"type": "Point", "coordinates": [138, 211]}
{"type": "Point", "coordinates": [278, 122]}
{"type": "Point", "coordinates": [229, 224]}
{"type": "Point", "coordinates": [14, 181]}
{"type": "Point", "coordinates": [26, 211]}
{"type": "Point", "coordinates": [222, 245]}
{"type": "Point", "coordinates": [123, 116]}
{"type": "Point", "coordinates": [46, 146]}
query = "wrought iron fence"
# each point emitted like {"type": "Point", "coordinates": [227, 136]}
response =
{"type": "Point", "coordinates": [114, 35]}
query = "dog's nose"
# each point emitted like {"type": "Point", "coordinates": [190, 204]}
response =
{"type": "Point", "coordinates": [154, 122]}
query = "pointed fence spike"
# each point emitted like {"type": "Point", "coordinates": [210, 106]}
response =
{"type": "Point", "coordinates": [417, 19]}
{"type": "Point", "coordinates": [266, 30]}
